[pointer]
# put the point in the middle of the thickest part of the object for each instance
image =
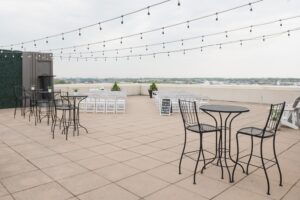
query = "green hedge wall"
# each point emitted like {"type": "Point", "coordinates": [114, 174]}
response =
{"type": "Point", "coordinates": [10, 76]}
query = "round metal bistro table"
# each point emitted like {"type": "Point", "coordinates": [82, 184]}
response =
{"type": "Point", "coordinates": [226, 114]}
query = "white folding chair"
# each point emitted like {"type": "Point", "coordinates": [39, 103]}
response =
{"type": "Point", "coordinates": [120, 105]}
{"type": "Point", "coordinates": [100, 105]}
{"type": "Point", "coordinates": [175, 105]}
{"type": "Point", "coordinates": [90, 103]}
{"type": "Point", "coordinates": [291, 115]}
{"type": "Point", "coordinates": [110, 106]}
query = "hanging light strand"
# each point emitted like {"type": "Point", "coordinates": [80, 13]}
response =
{"type": "Point", "coordinates": [269, 36]}
{"type": "Point", "coordinates": [182, 40]}
{"type": "Point", "coordinates": [163, 29]}
{"type": "Point", "coordinates": [90, 25]}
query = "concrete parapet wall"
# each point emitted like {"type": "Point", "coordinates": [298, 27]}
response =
{"type": "Point", "coordinates": [240, 93]}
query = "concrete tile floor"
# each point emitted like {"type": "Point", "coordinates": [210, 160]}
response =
{"type": "Point", "coordinates": [134, 156]}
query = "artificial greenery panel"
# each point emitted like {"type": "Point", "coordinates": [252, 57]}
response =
{"type": "Point", "coordinates": [10, 76]}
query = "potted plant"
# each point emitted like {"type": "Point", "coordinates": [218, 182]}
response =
{"type": "Point", "coordinates": [115, 87]}
{"type": "Point", "coordinates": [75, 90]}
{"type": "Point", "coordinates": [151, 89]}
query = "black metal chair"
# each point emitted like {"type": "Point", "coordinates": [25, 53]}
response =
{"type": "Point", "coordinates": [269, 131]}
{"type": "Point", "coordinates": [188, 110]}
{"type": "Point", "coordinates": [61, 105]}
{"type": "Point", "coordinates": [20, 100]}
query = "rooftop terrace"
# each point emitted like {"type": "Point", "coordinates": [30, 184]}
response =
{"type": "Point", "coordinates": [134, 156]}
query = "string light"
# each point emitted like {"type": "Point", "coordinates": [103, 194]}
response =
{"type": "Point", "coordinates": [162, 29]}
{"type": "Point", "coordinates": [122, 20]}
{"type": "Point", "coordinates": [164, 45]}
{"type": "Point", "coordinates": [211, 45]}
{"type": "Point", "coordinates": [202, 39]}
{"type": "Point", "coordinates": [178, 3]}
{"type": "Point", "coordinates": [280, 22]}
{"type": "Point", "coordinates": [34, 43]}
{"type": "Point", "coordinates": [103, 43]}
{"type": "Point", "coordinates": [264, 39]}
{"type": "Point", "coordinates": [47, 40]}
{"type": "Point", "coordinates": [250, 29]}
{"type": "Point", "coordinates": [146, 48]}
{"type": "Point", "coordinates": [148, 11]}
{"type": "Point", "coordinates": [100, 28]}
{"type": "Point", "coordinates": [121, 42]}
{"type": "Point", "coordinates": [141, 37]}
{"type": "Point", "coordinates": [241, 42]}
{"type": "Point", "coordinates": [62, 36]}
{"type": "Point", "coordinates": [182, 42]}
{"type": "Point", "coordinates": [226, 34]}
{"type": "Point", "coordinates": [187, 24]}
{"type": "Point", "coordinates": [220, 46]}
{"type": "Point", "coordinates": [250, 5]}
{"type": "Point", "coordinates": [217, 18]}
{"type": "Point", "coordinates": [289, 34]}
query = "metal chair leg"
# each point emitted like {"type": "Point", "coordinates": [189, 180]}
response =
{"type": "Point", "coordinates": [277, 163]}
{"type": "Point", "coordinates": [264, 167]}
{"type": "Point", "coordinates": [183, 149]}
{"type": "Point", "coordinates": [237, 156]}
{"type": "Point", "coordinates": [251, 153]}
{"type": "Point", "coordinates": [196, 166]}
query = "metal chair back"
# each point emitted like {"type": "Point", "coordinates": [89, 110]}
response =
{"type": "Point", "coordinates": [274, 117]}
{"type": "Point", "coordinates": [188, 111]}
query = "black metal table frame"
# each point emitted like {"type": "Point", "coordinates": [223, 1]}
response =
{"type": "Point", "coordinates": [76, 122]}
{"type": "Point", "coordinates": [224, 128]}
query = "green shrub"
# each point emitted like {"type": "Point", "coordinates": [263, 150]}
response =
{"type": "Point", "coordinates": [115, 87]}
{"type": "Point", "coordinates": [153, 87]}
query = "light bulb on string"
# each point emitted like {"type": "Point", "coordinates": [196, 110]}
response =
{"type": "Point", "coordinates": [163, 30]}
{"type": "Point", "coordinates": [188, 24]}
{"type": "Point", "coordinates": [61, 51]}
{"type": "Point", "coordinates": [103, 43]}
{"type": "Point", "coordinates": [250, 5]}
{"type": "Point", "coordinates": [280, 22]}
{"type": "Point", "coordinates": [202, 39]}
{"type": "Point", "coordinates": [241, 42]}
{"type": "Point", "coordinates": [264, 39]}
{"type": "Point", "coordinates": [117, 51]}
{"type": "Point", "coordinates": [22, 45]}
{"type": "Point", "coordinates": [74, 49]}
{"type": "Point", "coordinates": [140, 57]}
{"type": "Point", "coordinates": [121, 40]}
{"type": "Point", "coordinates": [62, 36]}
{"type": "Point", "coordinates": [226, 34]}
{"type": "Point", "coordinates": [217, 18]}
{"type": "Point", "coordinates": [251, 29]}
{"type": "Point", "coordinates": [105, 59]}
{"type": "Point", "coordinates": [183, 51]}
{"type": "Point", "coordinates": [164, 45]}
{"type": "Point", "coordinates": [46, 40]}
{"type": "Point", "coordinates": [141, 36]}
{"type": "Point", "coordinates": [122, 19]}
{"type": "Point", "coordinates": [154, 55]}
{"type": "Point", "coordinates": [288, 32]}
{"type": "Point", "coordinates": [146, 48]}
{"type": "Point", "coordinates": [178, 3]}
{"type": "Point", "coordinates": [88, 47]}
{"type": "Point", "coordinates": [182, 42]}
{"type": "Point", "coordinates": [102, 53]}
{"type": "Point", "coordinates": [79, 32]}
{"type": "Point", "coordinates": [220, 46]}
{"type": "Point", "coordinates": [148, 10]}
{"type": "Point", "coordinates": [130, 50]}
{"type": "Point", "coordinates": [34, 43]}
{"type": "Point", "coordinates": [168, 54]}
{"type": "Point", "coordinates": [100, 28]}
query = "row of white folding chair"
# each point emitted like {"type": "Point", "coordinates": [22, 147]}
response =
{"type": "Point", "coordinates": [102, 105]}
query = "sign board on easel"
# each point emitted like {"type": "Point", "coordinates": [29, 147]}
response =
{"type": "Point", "coordinates": [165, 108]}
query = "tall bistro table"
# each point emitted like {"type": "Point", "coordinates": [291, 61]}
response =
{"type": "Point", "coordinates": [74, 101]}
{"type": "Point", "coordinates": [226, 114]}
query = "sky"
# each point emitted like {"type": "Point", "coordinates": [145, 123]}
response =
{"type": "Point", "coordinates": [275, 57]}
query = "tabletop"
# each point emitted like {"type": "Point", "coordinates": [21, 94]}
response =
{"type": "Point", "coordinates": [224, 108]}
